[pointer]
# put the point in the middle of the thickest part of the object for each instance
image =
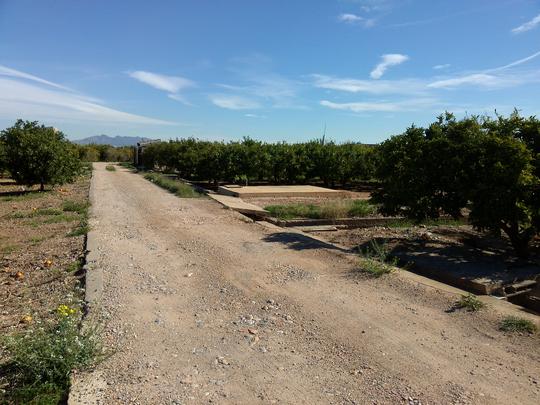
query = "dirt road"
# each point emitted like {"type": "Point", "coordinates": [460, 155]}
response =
{"type": "Point", "coordinates": [203, 307]}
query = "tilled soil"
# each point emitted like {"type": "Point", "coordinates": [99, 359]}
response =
{"type": "Point", "coordinates": [202, 306]}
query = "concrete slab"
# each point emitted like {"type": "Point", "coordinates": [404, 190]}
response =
{"type": "Point", "coordinates": [239, 205]}
{"type": "Point", "coordinates": [280, 191]}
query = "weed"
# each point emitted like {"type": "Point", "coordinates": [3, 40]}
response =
{"type": "Point", "coordinates": [74, 206]}
{"type": "Point", "coordinates": [328, 210]}
{"type": "Point", "coordinates": [24, 196]}
{"type": "Point", "coordinates": [74, 266]}
{"type": "Point", "coordinates": [81, 230]}
{"type": "Point", "coordinates": [127, 165]}
{"type": "Point", "coordinates": [177, 187]}
{"type": "Point", "coordinates": [35, 213]}
{"type": "Point", "coordinates": [61, 218]}
{"type": "Point", "coordinates": [515, 324]}
{"type": "Point", "coordinates": [377, 260]}
{"type": "Point", "coordinates": [110, 168]}
{"type": "Point", "coordinates": [469, 302]}
{"type": "Point", "coordinates": [41, 359]}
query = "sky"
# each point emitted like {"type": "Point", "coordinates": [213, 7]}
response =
{"type": "Point", "coordinates": [273, 70]}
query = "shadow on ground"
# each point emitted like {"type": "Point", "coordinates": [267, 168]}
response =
{"type": "Point", "coordinates": [297, 241]}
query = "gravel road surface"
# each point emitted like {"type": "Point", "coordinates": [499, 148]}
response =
{"type": "Point", "coordinates": [202, 306]}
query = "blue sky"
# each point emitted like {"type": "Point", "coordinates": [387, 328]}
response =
{"type": "Point", "coordinates": [272, 70]}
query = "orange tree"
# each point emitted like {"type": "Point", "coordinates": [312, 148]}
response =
{"type": "Point", "coordinates": [489, 166]}
{"type": "Point", "coordinates": [36, 154]}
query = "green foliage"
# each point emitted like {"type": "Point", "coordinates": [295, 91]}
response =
{"type": "Point", "coordinates": [105, 153]}
{"type": "Point", "coordinates": [74, 206]}
{"type": "Point", "coordinates": [252, 160]}
{"type": "Point", "coordinates": [41, 359]}
{"type": "Point", "coordinates": [489, 166]}
{"type": "Point", "coordinates": [110, 168]}
{"type": "Point", "coordinates": [515, 324]}
{"type": "Point", "coordinates": [328, 210]}
{"type": "Point", "coordinates": [469, 302]}
{"type": "Point", "coordinates": [36, 154]}
{"type": "Point", "coordinates": [377, 260]}
{"type": "Point", "coordinates": [3, 162]}
{"type": "Point", "coordinates": [177, 187]}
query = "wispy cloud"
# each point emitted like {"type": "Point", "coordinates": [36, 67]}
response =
{"type": "Point", "coordinates": [171, 84]}
{"type": "Point", "coordinates": [493, 78]}
{"type": "Point", "coordinates": [440, 67]}
{"type": "Point", "coordinates": [391, 59]}
{"type": "Point", "coordinates": [380, 106]}
{"type": "Point", "coordinates": [234, 102]}
{"type": "Point", "coordinates": [5, 71]}
{"type": "Point", "coordinates": [260, 84]}
{"type": "Point", "coordinates": [529, 25]}
{"type": "Point", "coordinates": [23, 93]}
{"type": "Point", "coordinates": [404, 86]}
{"type": "Point", "coordinates": [477, 79]}
{"type": "Point", "coordinates": [350, 18]}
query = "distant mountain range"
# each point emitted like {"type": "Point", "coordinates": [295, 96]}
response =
{"type": "Point", "coordinates": [111, 140]}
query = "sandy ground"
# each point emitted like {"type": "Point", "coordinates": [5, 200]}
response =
{"type": "Point", "coordinates": [202, 307]}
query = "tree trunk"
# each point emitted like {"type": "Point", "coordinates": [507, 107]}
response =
{"type": "Point", "coordinates": [519, 240]}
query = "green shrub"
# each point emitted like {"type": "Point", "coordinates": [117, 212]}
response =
{"type": "Point", "coordinates": [110, 168]}
{"type": "Point", "coordinates": [469, 302]}
{"type": "Point", "coordinates": [177, 187]}
{"type": "Point", "coordinates": [515, 324]}
{"type": "Point", "coordinates": [41, 359]}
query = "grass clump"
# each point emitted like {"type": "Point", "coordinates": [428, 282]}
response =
{"type": "Point", "coordinates": [30, 195]}
{"type": "Point", "coordinates": [35, 213]}
{"type": "Point", "coordinates": [516, 324]}
{"type": "Point", "coordinates": [177, 187]}
{"type": "Point", "coordinates": [110, 168]}
{"type": "Point", "coordinates": [127, 165]}
{"type": "Point", "coordinates": [74, 206]}
{"type": "Point", "coordinates": [328, 210]}
{"type": "Point", "coordinates": [377, 260]}
{"type": "Point", "coordinates": [40, 360]}
{"type": "Point", "coordinates": [61, 218]}
{"type": "Point", "coordinates": [469, 302]}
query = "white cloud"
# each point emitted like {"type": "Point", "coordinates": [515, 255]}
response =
{"type": "Point", "coordinates": [529, 25]}
{"type": "Point", "coordinates": [404, 86]}
{"type": "Point", "coordinates": [20, 98]}
{"type": "Point", "coordinates": [356, 19]}
{"type": "Point", "coordinates": [515, 63]}
{"type": "Point", "coordinates": [254, 116]}
{"type": "Point", "coordinates": [171, 84]}
{"type": "Point", "coordinates": [388, 60]}
{"type": "Point", "coordinates": [439, 67]}
{"type": "Point", "coordinates": [476, 79]}
{"type": "Point", "coordinates": [5, 71]}
{"type": "Point", "coordinates": [234, 102]}
{"type": "Point", "coordinates": [380, 106]}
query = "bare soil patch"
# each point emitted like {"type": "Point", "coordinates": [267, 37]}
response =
{"type": "Point", "coordinates": [39, 260]}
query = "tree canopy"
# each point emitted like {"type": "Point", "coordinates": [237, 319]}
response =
{"type": "Point", "coordinates": [36, 154]}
